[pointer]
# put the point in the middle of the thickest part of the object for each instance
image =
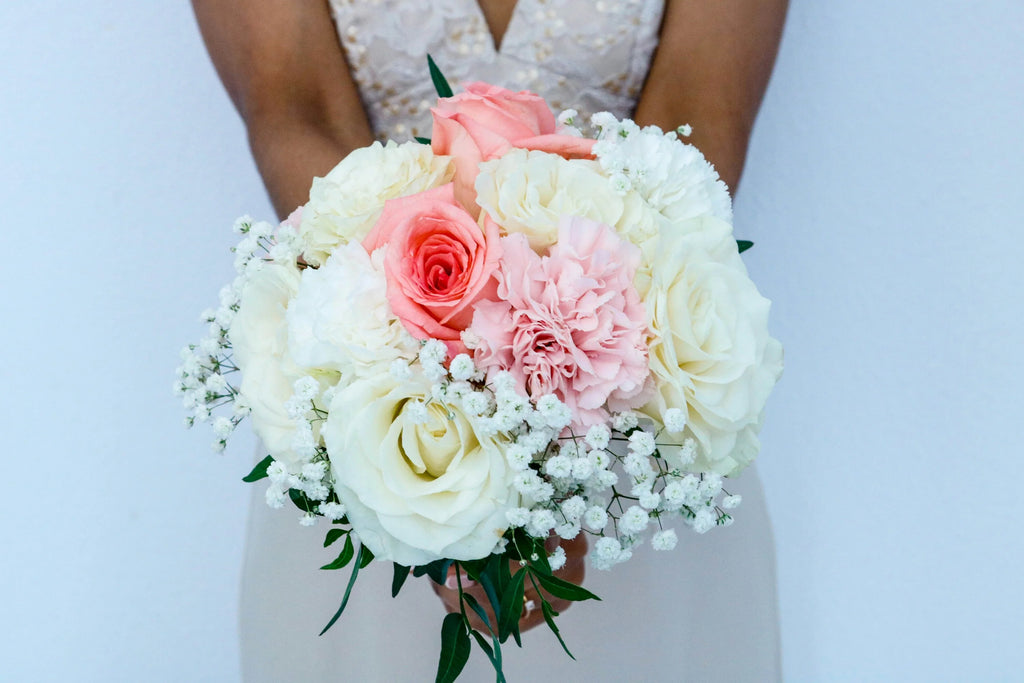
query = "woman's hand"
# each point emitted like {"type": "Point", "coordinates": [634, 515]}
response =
{"type": "Point", "coordinates": [573, 571]}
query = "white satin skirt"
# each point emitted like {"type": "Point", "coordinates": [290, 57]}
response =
{"type": "Point", "coordinates": [705, 611]}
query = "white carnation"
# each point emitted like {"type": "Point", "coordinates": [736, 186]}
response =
{"type": "Point", "coordinates": [341, 320]}
{"type": "Point", "coordinates": [672, 177]}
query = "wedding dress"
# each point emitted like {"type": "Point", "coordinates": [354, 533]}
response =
{"type": "Point", "coordinates": [705, 611]}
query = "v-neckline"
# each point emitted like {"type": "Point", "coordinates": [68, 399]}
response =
{"type": "Point", "coordinates": [496, 44]}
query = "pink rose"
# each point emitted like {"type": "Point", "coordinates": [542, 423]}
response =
{"type": "Point", "coordinates": [485, 121]}
{"type": "Point", "coordinates": [570, 323]}
{"type": "Point", "coordinates": [438, 263]}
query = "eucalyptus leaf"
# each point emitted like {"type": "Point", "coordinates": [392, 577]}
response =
{"type": "Point", "coordinates": [455, 647]}
{"type": "Point", "coordinates": [401, 574]}
{"type": "Point", "coordinates": [345, 557]}
{"type": "Point", "coordinates": [440, 82]}
{"type": "Point", "coordinates": [333, 535]}
{"type": "Point", "coordinates": [563, 589]}
{"type": "Point", "coordinates": [422, 141]}
{"type": "Point", "coordinates": [743, 245]}
{"type": "Point", "coordinates": [260, 471]}
{"type": "Point", "coordinates": [348, 589]}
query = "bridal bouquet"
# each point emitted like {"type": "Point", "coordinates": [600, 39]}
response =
{"type": "Point", "coordinates": [463, 347]}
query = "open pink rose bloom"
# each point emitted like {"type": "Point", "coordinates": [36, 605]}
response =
{"type": "Point", "coordinates": [438, 264]}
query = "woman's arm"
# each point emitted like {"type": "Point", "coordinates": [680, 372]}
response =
{"type": "Point", "coordinates": [283, 67]}
{"type": "Point", "coordinates": [710, 71]}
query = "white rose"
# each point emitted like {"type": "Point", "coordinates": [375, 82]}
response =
{"type": "Point", "coordinates": [416, 493]}
{"type": "Point", "coordinates": [341, 319]}
{"type": "Point", "coordinates": [344, 205]}
{"type": "Point", "coordinates": [258, 337]}
{"type": "Point", "coordinates": [710, 352]}
{"type": "Point", "coordinates": [529, 191]}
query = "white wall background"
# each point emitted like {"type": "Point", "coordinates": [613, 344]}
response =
{"type": "Point", "coordinates": [883, 192]}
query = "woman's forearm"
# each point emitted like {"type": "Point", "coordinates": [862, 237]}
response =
{"type": "Point", "coordinates": [285, 71]}
{"type": "Point", "coordinates": [710, 71]}
{"type": "Point", "coordinates": [290, 152]}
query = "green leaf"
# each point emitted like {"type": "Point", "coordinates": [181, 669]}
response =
{"type": "Point", "coordinates": [422, 141]}
{"type": "Point", "coordinates": [366, 557]}
{"type": "Point", "coordinates": [401, 574]}
{"type": "Point", "coordinates": [512, 606]}
{"type": "Point", "coordinates": [563, 589]}
{"type": "Point", "coordinates": [743, 245]}
{"type": "Point", "coordinates": [493, 654]}
{"type": "Point", "coordinates": [549, 617]}
{"type": "Point", "coordinates": [333, 535]}
{"type": "Point", "coordinates": [440, 82]}
{"type": "Point", "coordinates": [346, 555]}
{"type": "Point", "coordinates": [480, 611]}
{"type": "Point", "coordinates": [541, 564]}
{"type": "Point", "coordinates": [300, 500]}
{"type": "Point", "coordinates": [454, 648]}
{"type": "Point", "coordinates": [487, 581]}
{"type": "Point", "coordinates": [260, 471]}
{"type": "Point", "coordinates": [348, 589]}
{"type": "Point", "coordinates": [436, 570]}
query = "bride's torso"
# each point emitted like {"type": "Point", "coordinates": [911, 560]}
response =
{"type": "Point", "coordinates": [591, 55]}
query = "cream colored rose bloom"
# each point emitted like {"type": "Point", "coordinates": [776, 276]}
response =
{"type": "Point", "coordinates": [528, 192]}
{"type": "Point", "coordinates": [259, 340]}
{"type": "Point", "coordinates": [416, 492]}
{"type": "Point", "coordinates": [710, 355]}
{"type": "Point", "coordinates": [344, 204]}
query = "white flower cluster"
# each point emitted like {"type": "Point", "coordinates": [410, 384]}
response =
{"type": "Point", "coordinates": [314, 481]}
{"type": "Point", "coordinates": [575, 485]}
{"type": "Point", "coordinates": [203, 383]}
{"type": "Point", "coordinates": [673, 178]}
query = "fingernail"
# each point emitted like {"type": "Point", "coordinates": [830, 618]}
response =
{"type": "Point", "coordinates": [530, 606]}
{"type": "Point", "coordinates": [466, 581]}
{"type": "Point", "coordinates": [450, 583]}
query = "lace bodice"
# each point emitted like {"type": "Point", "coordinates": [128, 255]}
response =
{"type": "Point", "coordinates": [591, 55]}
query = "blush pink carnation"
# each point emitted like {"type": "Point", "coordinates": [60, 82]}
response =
{"type": "Point", "coordinates": [439, 263]}
{"type": "Point", "coordinates": [570, 323]}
